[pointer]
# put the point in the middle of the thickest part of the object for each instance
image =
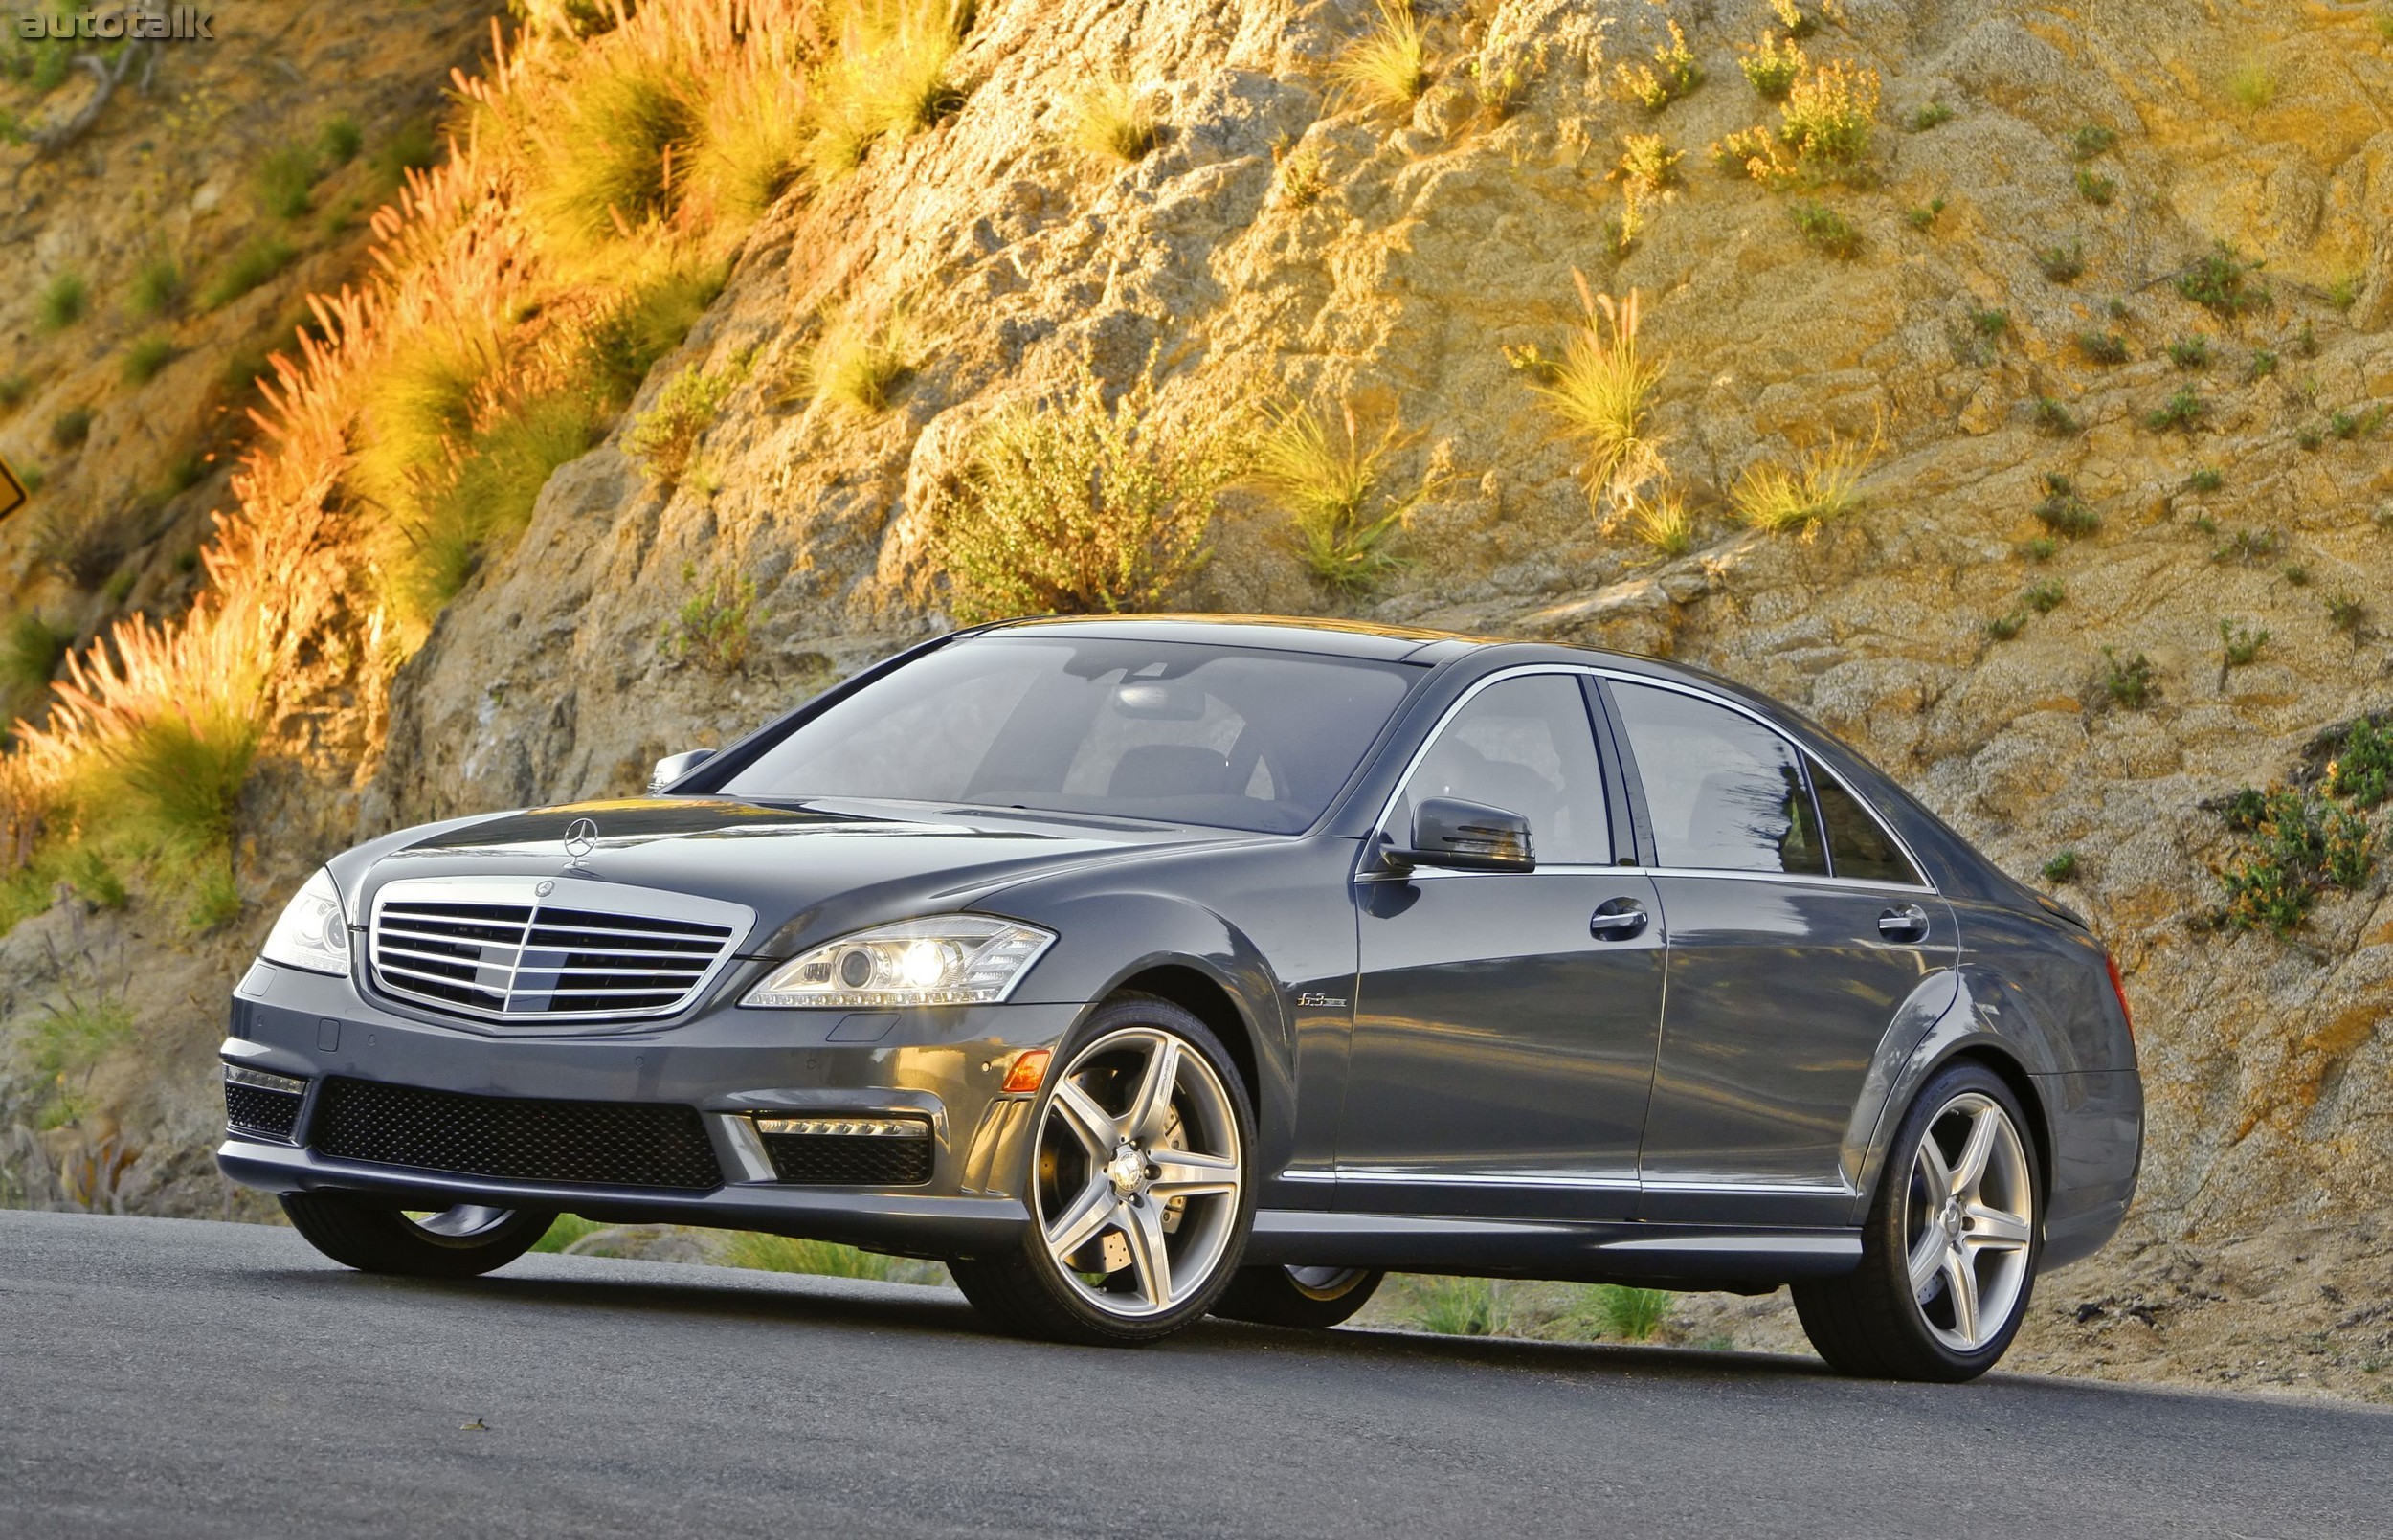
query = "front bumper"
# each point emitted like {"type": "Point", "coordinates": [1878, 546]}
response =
{"type": "Point", "coordinates": [946, 1065]}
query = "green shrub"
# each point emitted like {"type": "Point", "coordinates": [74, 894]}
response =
{"type": "Point", "coordinates": [1930, 116]}
{"type": "Point", "coordinates": [457, 523]}
{"type": "Point", "coordinates": [2190, 352]}
{"type": "Point", "coordinates": [286, 182]}
{"type": "Point", "coordinates": [68, 1038]}
{"type": "Point", "coordinates": [1672, 75]}
{"type": "Point", "coordinates": [156, 288]}
{"type": "Point", "coordinates": [665, 438]}
{"type": "Point", "coordinates": [1828, 116]}
{"type": "Point", "coordinates": [258, 261]}
{"type": "Point", "coordinates": [1825, 231]}
{"type": "Point", "coordinates": [2128, 681]}
{"type": "Point", "coordinates": [1924, 217]}
{"type": "Point", "coordinates": [1629, 1314]}
{"type": "Point", "coordinates": [411, 148]}
{"type": "Point", "coordinates": [62, 303]}
{"type": "Point", "coordinates": [2045, 596]}
{"type": "Point", "coordinates": [713, 625]}
{"type": "Point", "coordinates": [2251, 84]}
{"type": "Point", "coordinates": [2250, 546]}
{"type": "Point", "coordinates": [2094, 188]}
{"type": "Point", "coordinates": [13, 389]}
{"type": "Point", "coordinates": [784, 1254]}
{"type": "Point", "coordinates": [1460, 1306]}
{"type": "Point", "coordinates": [2041, 548]}
{"type": "Point", "coordinates": [145, 356]}
{"type": "Point", "coordinates": [2052, 417]}
{"type": "Point", "coordinates": [341, 139]}
{"type": "Point", "coordinates": [2239, 646]}
{"type": "Point", "coordinates": [2091, 140]}
{"type": "Point", "coordinates": [2184, 410]}
{"type": "Point", "coordinates": [2063, 511]}
{"type": "Point", "coordinates": [2348, 616]}
{"type": "Point", "coordinates": [2361, 769]}
{"type": "Point", "coordinates": [2298, 845]}
{"type": "Point", "coordinates": [1327, 481]}
{"type": "Point", "coordinates": [2296, 576]}
{"type": "Point", "coordinates": [1772, 66]}
{"type": "Point", "coordinates": [2220, 281]}
{"type": "Point", "coordinates": [2003, 627]}
{"type": "Point", "coordinates": [2262, 365]}
{"type": "Point", "coordinates": [1990, 324]}
{"type": "Point", "coordinates": [32, 650]}
{"type": "Point", "coordinates": [1071, 506]}
{"type": "Point", "coordinates": [2102, 347]}
{"type": "Point", "coordinates": [2062, 868]}
{"type": "Point", "coordinates": [646, 324]}
{"type": "Point", "coordinates": [2204, 479]}
{"type": "Point", "coordinates": [2062, 264]}
{"type": "Point", "coordinates": [70, 428]}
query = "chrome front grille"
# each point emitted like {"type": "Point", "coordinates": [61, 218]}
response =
{"type": "Point", "coordinates": [530, 949]}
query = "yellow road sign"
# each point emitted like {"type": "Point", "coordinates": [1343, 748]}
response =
{"type": "Point", "coordinates": [12, 493]}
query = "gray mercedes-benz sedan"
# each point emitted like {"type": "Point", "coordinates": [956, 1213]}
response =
{"type": "Point", "coordinates": [1142, 968]}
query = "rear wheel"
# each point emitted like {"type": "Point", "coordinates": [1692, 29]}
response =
{"type": "Point", "coordinates": [463, 1242]}
{"type": "Point", "coordinates": [1948, 1253]}
{"type": "Point", "coordinates": [1139, 1197]}
{"type": "Point", "coordinates": [1311, 1299]}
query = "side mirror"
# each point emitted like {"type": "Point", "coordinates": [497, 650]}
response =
{"type": "Point", "coordinates": [1467, 837]}
{"type": "Point", "coordinates": [673, 766]}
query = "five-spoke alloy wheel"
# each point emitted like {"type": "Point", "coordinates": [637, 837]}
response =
{"type": "Point", "coordinates": [1139, 1194]}
{"type": "Point", "coordinates": [1949, 1252]}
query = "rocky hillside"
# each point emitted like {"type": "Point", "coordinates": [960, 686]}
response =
{"type": "Point", "coordinates": [2006, 387]}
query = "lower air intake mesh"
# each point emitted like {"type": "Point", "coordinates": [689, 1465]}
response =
{"type": "Point", "coordinates": [256, 1109]}
{"type": "Point", "coordinates": [595, 1144]}
{"type": "Point", "coordinates": [848, 1160]}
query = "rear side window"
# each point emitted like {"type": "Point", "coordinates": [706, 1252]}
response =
{"type": "Point", "coordinates": [1858, 844]}
{"type": "Point", "coordinates": [1724, 792]}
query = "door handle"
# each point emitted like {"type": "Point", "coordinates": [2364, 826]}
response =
{"type": "Point", "coordinates": [1617, 920]}
{"type": "Point", "coordinates": [1907, 925]}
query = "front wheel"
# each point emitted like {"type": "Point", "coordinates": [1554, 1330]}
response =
{"type": "Point", "coordinates": [465, 1241]}
{"type": "Point", "coordinates": [1948, 1253]}
{"type": "Point", "coordinates": [1139, 1195]}
{"type": "Point", "coordinates": [1309, 1298]}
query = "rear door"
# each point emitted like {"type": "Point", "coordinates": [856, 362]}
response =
{"type": "Point", "coordinates": [1792, 950]}
{"type": "Point", "coordinates": [1505, 1021]}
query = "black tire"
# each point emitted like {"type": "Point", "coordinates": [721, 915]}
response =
{"type": "Point", "coordinates": [378, 1237]}
{"type": "Point", "coordinates": [1025, 1290]}
{"type": "Point", "coordinates": [1871, 1322]}
{"type": "Point", "coordinates": [1308, 1299]}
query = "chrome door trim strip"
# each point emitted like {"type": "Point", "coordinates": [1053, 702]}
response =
{"type": "Point", "coordinates": [1391, 1178]}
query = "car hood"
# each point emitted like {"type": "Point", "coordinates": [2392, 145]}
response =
{"type": "Point", "coordinates": [808, 871]}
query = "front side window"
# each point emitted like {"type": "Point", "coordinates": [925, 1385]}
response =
{"type": "Point", "coordinates": [1525, 746]}
{"type": "Point", "coordinates": [1179, 733]}
{"type": "Point", "coordinates": [1724, 792]}
{"type": "Point", "coordinates": [1858, 844]}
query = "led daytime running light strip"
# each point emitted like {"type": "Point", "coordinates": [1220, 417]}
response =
{"type": "Point", "coordinates": [847, 1127]}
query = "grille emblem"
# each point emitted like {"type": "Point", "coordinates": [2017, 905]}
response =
{"type": "Point", "coordinates": [581, 838]}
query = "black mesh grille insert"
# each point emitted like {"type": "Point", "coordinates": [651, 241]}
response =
{"type": "Point", "coordinates": [849, 1160]}
{"type": "Point", "coordinates": [599, 1144]}
{"type": "Point", "coordinates": [256, 1109]}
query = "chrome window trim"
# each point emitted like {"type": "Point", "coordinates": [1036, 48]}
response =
{"type": "Point", "coordinates": [1368, 859]}
{"type": "Point", "coordinates": [1806, 758]}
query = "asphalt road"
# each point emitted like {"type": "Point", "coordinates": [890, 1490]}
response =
{"type": "Point", "coordinates": [168, 1379]}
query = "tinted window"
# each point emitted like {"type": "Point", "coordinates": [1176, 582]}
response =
{"type": "Point", "coordinates": [1724, 791]}
{"type": "Point", "coordinates": [1525, 745]}
{"type": "Point", "coordinates": [1858, 844]}
{"type": "Point", "coordinates": [1229, 736]}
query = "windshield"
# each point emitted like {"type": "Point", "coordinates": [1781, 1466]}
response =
{"type": "Point", "coordinates": [1234, 737]}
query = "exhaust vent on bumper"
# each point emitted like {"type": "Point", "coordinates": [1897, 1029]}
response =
{"type": "Point", "coordinates": [586, 1144]}
{"type": "Point", "coordinates": [862, 1151]}
{"type": "Point", "coordinates": [260, 1105]}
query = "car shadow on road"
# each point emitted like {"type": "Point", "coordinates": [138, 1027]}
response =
{"type": "Point", "coordinates": [692, 1291]}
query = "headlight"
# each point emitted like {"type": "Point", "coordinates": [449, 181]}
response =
{"type": "Point", "coordinates": [950, 959]}
{"type": "Point", "coordinates": [312, 933]}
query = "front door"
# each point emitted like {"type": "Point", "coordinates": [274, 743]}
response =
{"type": "Point", "coordinates": [1505, 1021]}
{"type": "Point", "coordinates": [1792, 953]}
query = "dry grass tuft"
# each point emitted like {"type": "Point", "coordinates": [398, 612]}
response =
{"type": "Point", "coordinates": [1387, 68]}
{"type": "Point", "coordinates": [1603, 390]}
{"type": "Point", "coordinates": [1672, 73]}
{"type": "Point", "coordinates": [1820, 488]}
{"type": "Point", "coordinates": [1328, 478]}
{"type": "Point", "coordinates": [889, 74]}
{"type": "Point", "coordinates": [860, 360]}
{"type": "Point", "coordinates": [1112, 120]}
